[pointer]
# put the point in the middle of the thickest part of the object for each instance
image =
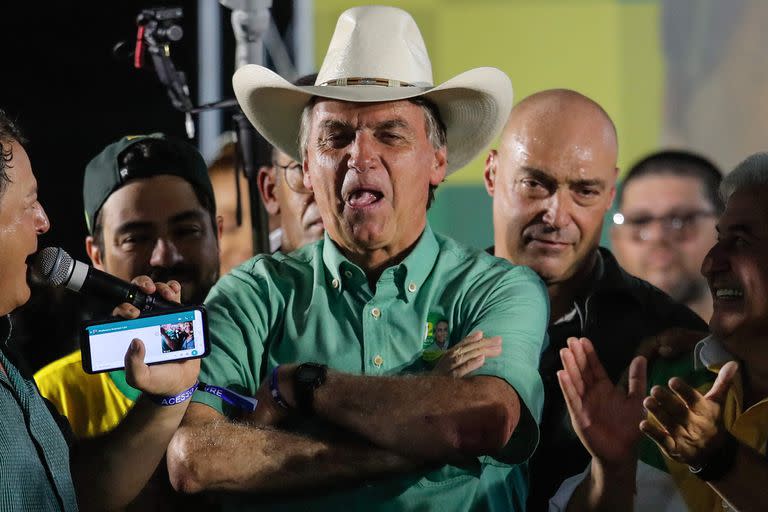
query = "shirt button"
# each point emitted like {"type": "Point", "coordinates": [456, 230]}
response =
{"type": "Point", "coordinates": [378, 361]}
{"type": "Point", "coordinates": [412, 287]}
{"type": "Point", "coordinates": [335, 283]}
{"type": "Point", "coordinates": [347, 274]}
{"type": "Point", "coordinates": [376, 312]}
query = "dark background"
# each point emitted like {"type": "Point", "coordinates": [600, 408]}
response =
{"type": "Point", "coordinates": [71, 97]}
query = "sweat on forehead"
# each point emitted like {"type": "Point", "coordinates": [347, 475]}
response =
{"type": "Point", "coordinates": [560, 108]}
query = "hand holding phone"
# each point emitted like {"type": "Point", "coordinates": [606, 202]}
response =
{"type": "Point", "coordinates": [160, 351]}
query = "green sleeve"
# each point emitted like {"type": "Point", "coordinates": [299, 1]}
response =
{"type": "Point", "coordinates": [239, 320]}
{"type": "Point", "coordinates": [515, 306]}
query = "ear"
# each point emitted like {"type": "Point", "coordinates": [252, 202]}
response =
{"type": "Point", "coordinates": [489, 176]}
{"type": "Point", "coordinates": [219, 227]}
{"type": "Point", "coordinates": [613, 188]}
{"type": "Point", "coordinates": [94, 253]}
{"type": "Point", "coordinates": [305, 172]}
{"type": "Point", "coordinates": [437, 174]}
{"type": "Point", "coordinates": [267, 183]}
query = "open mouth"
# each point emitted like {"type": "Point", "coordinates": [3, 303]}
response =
{"type": "Point", "coordinates": [363, 198]}
{"type": "Point", "coordinates": [728, 293]}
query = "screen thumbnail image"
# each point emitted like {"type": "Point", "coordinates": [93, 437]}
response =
{"type": "Point", "coordinates": [178, 336]}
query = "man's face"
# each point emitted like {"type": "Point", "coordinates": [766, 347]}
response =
{"type": "Point", "coordinates": [157, 227]}
{"type": "Point", "coordinates": [737, 272]}
{"type": "Point", "coordinates": [236, 241]}
{"type": "Point", "coordinates": [441, 333]}
{"type": "Point", "coordinates": [299, 214]}
{"type": "Point", "coordinates": [370, 166]}
{"type": "Point", "coordinates": [22, 219]}
{"type": "Point", "coordinates": [551, 186]}
{"type": "Point", "coordinates": [668, 228]}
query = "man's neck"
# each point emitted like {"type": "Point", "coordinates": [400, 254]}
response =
{"type": "Point", "coordinates": [562, 294]}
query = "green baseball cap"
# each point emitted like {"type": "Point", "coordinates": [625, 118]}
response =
{"type": "Point", "coordinates": [107, 172]}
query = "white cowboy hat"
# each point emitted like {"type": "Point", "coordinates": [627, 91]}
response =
{"type": "Point", "coordinates": [377, 54]}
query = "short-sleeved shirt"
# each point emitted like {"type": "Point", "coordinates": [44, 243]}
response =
{"type": "Point", "coordinates": [94, 404]}
{"type": "Point", "coordinates": [34, 453]}
{"type": "Point", "coordinates": [316, 305]}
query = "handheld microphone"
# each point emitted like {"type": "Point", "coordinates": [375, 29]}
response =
{"type": "Point", "coordinates": [54, 267]}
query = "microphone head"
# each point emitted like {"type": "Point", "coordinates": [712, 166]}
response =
{"type": "Point", "coordinates": [52, 266]}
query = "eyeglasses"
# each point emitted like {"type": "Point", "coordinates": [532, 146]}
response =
{"type": "Point", "coordinates": [677, 226]}
{"type": "Point", "coordinates": [294, 176]}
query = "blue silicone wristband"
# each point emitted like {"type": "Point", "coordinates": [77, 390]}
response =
{"type": "Point", "coordinates": [275, 391]}
{"type": "Point", "coordinates": [173, 400]}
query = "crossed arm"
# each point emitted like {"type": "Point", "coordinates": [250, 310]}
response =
{"type": "Point", "coordinates": [397, 424]}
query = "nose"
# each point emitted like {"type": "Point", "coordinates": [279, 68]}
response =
{"type": "Point", "coordinates": [42, 224]}
{"type": "Point", "coordinates": [164, 254]}
{"type": "Point", "coordinates": [715, 261]}
{"type": "Point", "coordinates": [652, 231]}
{"type": "Point", "coordinates": [361, 152]}
{"type": "Point", "coordinates": [557, 213]}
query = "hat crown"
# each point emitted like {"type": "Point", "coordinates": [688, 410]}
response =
{"type": "Point", "coordinates": [376, 42]}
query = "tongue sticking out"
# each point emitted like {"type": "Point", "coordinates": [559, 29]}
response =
{"type": "Point", "coordinates": [363, 198]}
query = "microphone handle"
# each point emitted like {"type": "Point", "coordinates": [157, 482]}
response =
{"type": "Point", "coordinates": [101, 284]}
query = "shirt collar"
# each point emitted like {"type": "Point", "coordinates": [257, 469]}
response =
{"type": "Point", "coordinates": [410, 274]}
{"type": "Point", "coordinates": [709, 353]}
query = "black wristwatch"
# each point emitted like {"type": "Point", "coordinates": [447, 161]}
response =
{"type": "Point", "coordinates": [306, 379]}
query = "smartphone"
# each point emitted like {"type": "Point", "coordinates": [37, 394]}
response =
{"type": "Point", "coordinates": [168, 335]}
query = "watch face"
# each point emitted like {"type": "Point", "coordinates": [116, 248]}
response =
{"type": "Point", "coordinates": [310, 374]}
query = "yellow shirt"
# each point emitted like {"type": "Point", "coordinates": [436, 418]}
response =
{"type": "Point", "coordinates": [93, 404]}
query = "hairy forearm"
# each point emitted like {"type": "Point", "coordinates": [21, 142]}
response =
{"type": "Point", "coordinates": [605, 489]}
{"type": "Point", "coordinates": [226, 456]}
{"type": "Point", "coordinates": [430, 417]}
{"type": "Point", "coordinates": [109, 471]}
{"type": "Point", "coordinates": [744, 486]}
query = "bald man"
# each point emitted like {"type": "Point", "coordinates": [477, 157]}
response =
{"type": "Point", "coordinates": [552, 180]}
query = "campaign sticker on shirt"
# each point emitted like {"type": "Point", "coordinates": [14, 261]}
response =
{"type": "Point", "coordinates": [436, 337]}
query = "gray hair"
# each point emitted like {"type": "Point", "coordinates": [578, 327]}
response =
{"type": "Point", "coordinates": [752, 172]}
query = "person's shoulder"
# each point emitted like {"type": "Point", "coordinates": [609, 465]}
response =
{"type": "Point", "coordinates": [59, 369]}
{"type": "Point", "coordinates": [648, 297]}
{"type": "Point", "coordinates": [299, 261]}
{"type": "Point", "coordinates": [480, 261]}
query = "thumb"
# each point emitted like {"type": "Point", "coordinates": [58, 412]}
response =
{"type": "Point", "coordinates": [723, 382]}
{"type": "Point", "coordinates": [637, 377]}
{"type": "Point", "coordinates": [134, 363]}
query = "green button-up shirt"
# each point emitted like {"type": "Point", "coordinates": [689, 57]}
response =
{"type": "Point", "coordinates": [316, 305]}
{"type": "Point", "coordinates": [34, 455]}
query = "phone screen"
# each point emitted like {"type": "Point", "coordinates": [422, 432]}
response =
{"type": "Point", "coordinates": [167, 336]}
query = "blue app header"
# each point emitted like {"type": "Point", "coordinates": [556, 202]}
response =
{"type": "Point", "coordinates": [138, 323]}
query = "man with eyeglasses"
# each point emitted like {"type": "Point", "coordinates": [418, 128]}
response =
{"type": "Point", "coordinates": [284, 195]}
{"type": "Point", "coordinates": [552, 180]}
{"type": "Point", "coordinates": [667, 209]}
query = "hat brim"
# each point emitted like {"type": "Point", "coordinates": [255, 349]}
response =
{"type": "Point", "coordinates": [473, 105]}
